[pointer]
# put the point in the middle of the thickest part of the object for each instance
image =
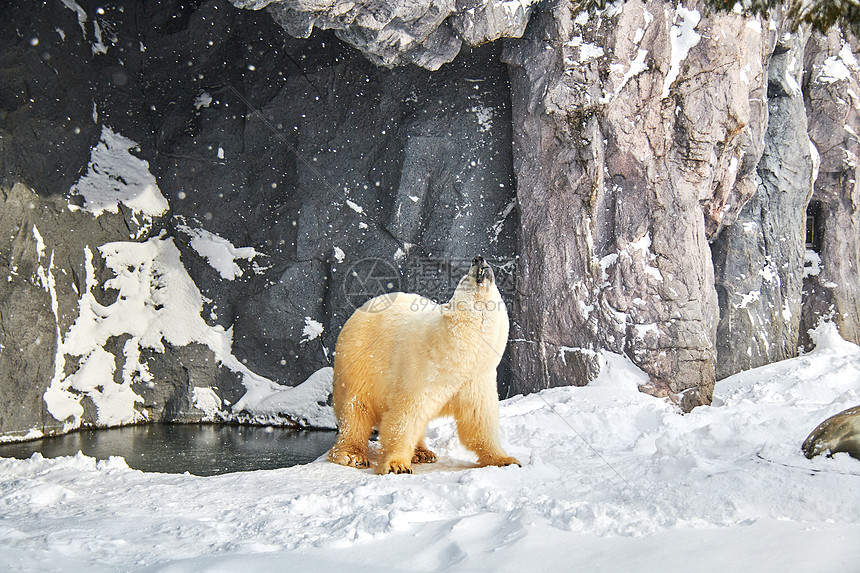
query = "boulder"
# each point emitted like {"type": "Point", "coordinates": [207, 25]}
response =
{"type": "Point", "coordinates": [839, 433]}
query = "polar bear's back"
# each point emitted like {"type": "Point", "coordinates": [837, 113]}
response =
{"type": "Point", "coordinates": [366, 346]}
{"type": "Point", "coordinates": [398, 303]}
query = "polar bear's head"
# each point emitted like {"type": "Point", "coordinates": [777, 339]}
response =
{"type": "Point", "coordinates": [481, 272]}
{"type": "Point", "coordinates": [479, 283]}
{"type": "Point", "coordinates": [477, 293]}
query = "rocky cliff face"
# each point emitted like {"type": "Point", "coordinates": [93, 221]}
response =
{"type": "Point", "coordinates": [832, 270]}
{"type": "Point", "coordinates": [428, 33]}
{"type": "Point", "coordinates": [760, 257]}
{"type": "Point", "coordinates": [196, 196]}
{"type": "Point", "coordinates": [639, 130]}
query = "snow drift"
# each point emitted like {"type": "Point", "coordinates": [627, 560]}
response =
{"type": "Point", "coordinates": [613, 479]}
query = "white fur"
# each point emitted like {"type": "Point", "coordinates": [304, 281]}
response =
{"type": "Point", "coordinates": [402, 360]}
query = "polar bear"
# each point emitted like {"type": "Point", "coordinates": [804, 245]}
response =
{"type": "Point", "coordinates": [402, 360]}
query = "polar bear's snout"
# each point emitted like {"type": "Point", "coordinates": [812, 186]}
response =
{"type": "Point", "coordinates": [482, 270]}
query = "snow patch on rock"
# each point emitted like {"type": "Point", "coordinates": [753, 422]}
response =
{"type": "Point", "coordinates": [218, 251]}
{"type": "Point", "coordinates": [116, 176]}
{"type": "Point", "coordinates": [684, 37]}
{"type": "Point", "coordinates": [157, 302]}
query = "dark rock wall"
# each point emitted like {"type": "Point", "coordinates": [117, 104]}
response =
{"type": "Point", "coordinates": [347, 179]}
{"type": "Point", "coordinates": [324, 151]}
{"type": "Point", "coordinates": [640, 176]}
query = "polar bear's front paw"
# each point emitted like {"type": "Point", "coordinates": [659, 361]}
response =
{"type": "Point", "coordinates": [394, 467]}
{"type": "Point", "coordinates": [349, 457]}
{"type": "Point", "coordinates": [423, 456]}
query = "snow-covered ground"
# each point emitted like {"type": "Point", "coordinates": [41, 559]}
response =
{"type": "Point", "coordinates": [612, 480]}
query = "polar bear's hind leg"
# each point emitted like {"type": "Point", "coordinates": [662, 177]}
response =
{"type": "Point", "coordinates": [423, 455]}
{"type": "Point", "coordinates": [401, 432]}
{"type": "Point", "coordinates": [476, 411]}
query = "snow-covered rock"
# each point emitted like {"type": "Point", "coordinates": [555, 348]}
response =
{"type": "Point", "coordinates": [428, 33]}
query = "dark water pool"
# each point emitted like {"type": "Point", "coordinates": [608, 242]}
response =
{"type": "Point", "coordinates": [202, 450]}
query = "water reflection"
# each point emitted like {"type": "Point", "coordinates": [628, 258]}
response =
{"type": "Point", "coordinates": [198, 449]}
